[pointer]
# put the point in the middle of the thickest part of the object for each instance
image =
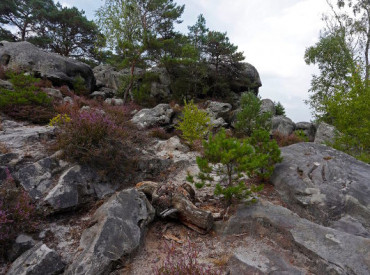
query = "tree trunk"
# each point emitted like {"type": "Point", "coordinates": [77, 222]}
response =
{"type": "Point", "coordinates": [171, 199]}
{"type": "Point", "coordinates": [129, 88]}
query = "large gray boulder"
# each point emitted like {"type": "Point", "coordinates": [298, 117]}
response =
{"type": "Point", "coordinates": [327, 251]}
{"type": "Point", "coordinates": [59, 69]}
{"type": "Point", "coordinates": [325, 133]}
{"type": "Point", "coordinates": [76, 186]}
{"type": "Point", "coordinates": [308, 128]}
{"type": "Point", "coordinates": [38, 177]}
{"type": "Point", "coordinates": [108, 76]}
{"type": "Point", "coordinates": [326, 185]}
{"type": "Point", "coordinates": [283, 125]}
{"type": "Point", "coordinates": [268, 106]}
{"type": "Point", "coordinates": [40, 260]}
{"type": "Point", "coordinates": [248, 80]}
{"type": "Point", "coordinates": [158, 116]}
{"type": "Point", "coordinates": [117, 232]}
{"type": "Point", "coordinates": [22, 244]}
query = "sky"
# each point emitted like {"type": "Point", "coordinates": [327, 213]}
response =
{"type": "Point", "coordinates": [273, 34]}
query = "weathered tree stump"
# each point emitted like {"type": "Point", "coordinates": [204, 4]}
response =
{"type": "Point", "coordinates": [168, 199]}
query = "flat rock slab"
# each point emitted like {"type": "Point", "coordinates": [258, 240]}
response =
{"type": "Point", "coordinates": [330, 251]}
{"type": "Point", "coordinates": [40, 260]}
{"type": "Point", "coordinates": [117, 231]}
{"type": "Point", "coordinates": [321, 183]}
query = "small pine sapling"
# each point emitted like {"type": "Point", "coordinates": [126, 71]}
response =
{"type": "Point", "coordinates": [229, 159]}
{"type": "Point", "coordinates": [194, 124]}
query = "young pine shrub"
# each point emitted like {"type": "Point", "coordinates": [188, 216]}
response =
{"type": "Point", "coordinates": [231, 159]}
{"type": "Point", "coordinates": [280, 110]}
{"type": "Point", "coordinates": [194, 124]}
{"type": "Point", "coordinates": [249, 118]}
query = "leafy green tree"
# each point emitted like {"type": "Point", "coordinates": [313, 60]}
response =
{"type": "Point", "coordinates": [194, 124]}
{"type": "Point", "coordinates": [68, 32]}
{"type": "Point", "coordinates": [24, 15]}
{"type": "Point", "coordinates": [350, 114]}
{"type": "Point", "coordinates": [249, 118]}
{"type": "Point", "coordinates": [229, 159]}
{"type": "Point", "coordinates": [342, 51]}
{"type": "Point", "coordinates": [198, 34]}
{"type": "Point", "coordinates": [137, 29]}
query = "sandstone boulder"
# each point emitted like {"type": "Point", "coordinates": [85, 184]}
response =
{"type": "Point", "coordinates": [248, 80]}
{"type": "Point", "coordinates": [267, 105]}
{"type": "Point", "coordinates": [117, 230]}
{"type": "Point", "coordinates": [59, 69]}
{"type": "Point", "coordinates": [308, 128]}
{"type": "Point", "coordinates": [158, 116]}
{"type": "Point", "coordinates": [76, 186]}
{"type": "Point", "coordinates": [328, 251]}
{"type": "Point", "coordinates": [326, 185]}
{"type": "Point", "coordinates": [325, 133]}
{"type": "Point", "coordinates": [40, 260]}
{"type": "Point", "coordinates": [283, 125]}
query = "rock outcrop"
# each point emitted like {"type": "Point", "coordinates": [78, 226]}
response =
{"type": "Point", "coordinates": [158, 116]}
{"type": "Point", "coordinates": [117, 230]}
{"type": "Point", "coordinates": [283, 125]}
{"type": "Point", "coordinates": [40, 260]}
{"type": "Point", "coordinates": [248, 80]}
{"type": "Point", "coordinates": [326, 185]}
{"type": "Point", "coordinates": [329, 251]}
{"type": "Point", "coordinates": [60, 70]}
{"type": "Point", "coordinates": [325, 133]}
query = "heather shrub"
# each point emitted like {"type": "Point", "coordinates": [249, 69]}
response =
{"type": "Point", "coordinates": [65, 91]}
{"type": "Point", "coordinates": [17, 212]}
{"type": "Point", "coordinates": [194, 124]}
{"type": "Point", "coordinates": [183, 262]}
{"type": "Point", "coordinates": [286, 140]}
{"type": "Point", "coordinates": [160, 133]}
{"type": "Point", "coordinates": [93, 138]}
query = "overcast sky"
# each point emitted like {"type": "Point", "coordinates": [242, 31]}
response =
{"type": "Point", "coordinates": [273, 34]}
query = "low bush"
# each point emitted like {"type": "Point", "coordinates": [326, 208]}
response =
{"type": "Point", "coordinates": [79, 86]}
{"type": "Point", "coordinates": [249, 118]}
{"type": "Point", "coordinates": [94, 139]}
{"type": "Point", "coordinates": [183, 262]}
{"type": "Point", "coordinates": [284, 140]}
{"type": "Point", "coordinates": [194, 124]}
{"type": "Point", "coordinates": [27, 101]}
{"type": "Point", "coordinates": [230, 159]}
{"type": "Point", "coordinates": [160, 133]}
{"type": "Point", "coordinates": [17, 213]}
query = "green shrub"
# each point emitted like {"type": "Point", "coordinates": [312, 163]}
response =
{"type": "Point", "coordinates": [194, 124]}
{"type": "Point", "coordinates": [27, 101]}
{"type": "Point", "coordinates": [249, 117]}
{"type": "Point", "coordinates": [350, 114]}
{"type": "Point", "coordinates": [267, 153]}
{"type": "Point", "coordinates": [280, 110]}
{"type": "Point", "coordinates": [79, 86]}
{"type": "Point", "coordinates": [301, 135]}
{"type": "Point", "coordinates": [231, 159]}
